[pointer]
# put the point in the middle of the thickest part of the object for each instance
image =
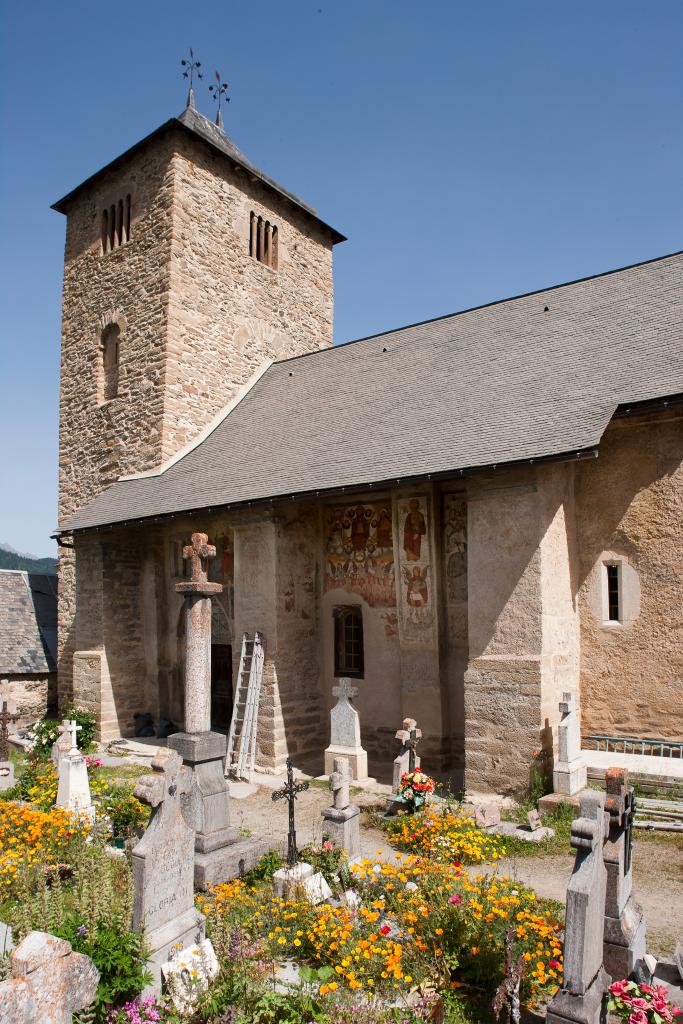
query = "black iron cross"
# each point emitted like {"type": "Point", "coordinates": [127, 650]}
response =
{"type": "Point", "coordinates": [5, 718]}
{"type": "Point", "coordinates": [629, 815]}
{"type": "Point", "coordinates": [288, 793]}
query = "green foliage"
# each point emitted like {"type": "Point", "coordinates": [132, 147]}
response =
{"type": "Point", "coordinates": [12, 560]}
{"type": "Point", "coordinates": [46, 732]}
{"type": "Point", "coordinates": [268, 864]}
{"type": "Point", "coordinates": [126, 813]}
{"type": "Point", "coordinates": [328, 859]}
{"type": "Point", "coordinates": [119, 956]}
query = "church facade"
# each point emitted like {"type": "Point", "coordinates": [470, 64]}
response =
{"type": "Point", "coordinates": [468, 516]}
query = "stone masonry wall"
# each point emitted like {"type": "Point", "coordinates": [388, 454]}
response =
{"type": "Point", "coordinates": [228, 313]}
{"type": "Point", "coordinates": [32, 693]}
{"type": "Point", "coordinates": [630, 507]}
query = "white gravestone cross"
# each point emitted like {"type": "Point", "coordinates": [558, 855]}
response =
{"type": "Point", "coordinates": [570, 774]}
{"type": "Point", "coordinates": [345, 732]}
{"type": "Point", "coordinates": [73, 788]}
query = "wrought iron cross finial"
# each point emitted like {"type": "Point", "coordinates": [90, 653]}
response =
{"type": "Point", "coordinates": [288, 793]}
{"type": "Point", "coordinates": [219, 91]}
{"type": "Point", "coordinates": [191, 67]}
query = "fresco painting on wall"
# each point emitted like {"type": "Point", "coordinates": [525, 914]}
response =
{"type": "Point", "coordinates": [360, 552]}
{"type": "Point", "coordinates": [417, 598]}
{"type": "Point", "coordinates": [455, 546]}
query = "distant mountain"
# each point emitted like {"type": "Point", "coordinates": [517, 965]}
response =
{"type": "Point", "coordinates": [11, 559]}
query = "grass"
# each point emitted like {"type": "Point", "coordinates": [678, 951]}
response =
{"type": "Point", "coordinates": [560, 821]}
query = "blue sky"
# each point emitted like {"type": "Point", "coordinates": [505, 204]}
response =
{"type": "Point", "coordinates": [470, 151]}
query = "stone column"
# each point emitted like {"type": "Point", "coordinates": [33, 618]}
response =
{"type": "Point", "coordinates": [206, 805]}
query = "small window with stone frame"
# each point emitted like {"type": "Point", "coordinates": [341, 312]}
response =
{"type": "Point", "coordinates": [110, 353]}
{"type": "Point", "coordinates": [116, 224]}
{"type": "Point", "coordinates": [349, 658]}
{"type": "Point", "coordinates": [613, 597]}
{"type": "Point", "coordinates": [263, 241]}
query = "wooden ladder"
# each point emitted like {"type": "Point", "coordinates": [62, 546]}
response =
{"type": "Point", "coordinates": [241, 754]}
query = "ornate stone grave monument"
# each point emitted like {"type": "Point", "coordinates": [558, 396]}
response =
{"type": "Point", "coordinates": [345, 733]}
{"type": "Point", "coordinates": [163, 865]}
{"type": "Point", "coordinates": [342, 820]}
{"type": "Point", "coordinates": [73, 788]}
{"type": "Point", "coordinates": [219, 852]}
{"type": "Point", "coordinates": [49, 982]}
{"type": "Point", "coordinates": [581, 997]}
{"type": "Point", "coordinates": [570, 774]}
{"type": "Point", "coordinates": [406, 760]}
{"type": "Point", "coordinates": [624, 936]}
{"type": "Point", "coordinates": [6, 766]}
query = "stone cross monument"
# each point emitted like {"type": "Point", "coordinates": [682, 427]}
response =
{"type": "Point", "coordinates": [163, 865]}
{"type": "Point", "coordinates": [624, 939]}
{"type": "Point", "coordinates": [73, 787]}
{"type": "Point", "coordinates": [62, 745]}
{"type": "Point", "coordinates": [342, 820]}
{"type": "Point", "coordinates": [206, 805]}
{"type": "Point", "coordinates": [570, 774]}
{"type": "Point", "coordinates": [581, 997]}
{"type": "Point", "coordinates": [345, 732]}
{"type": "Point", "coordinates": [406, 760]}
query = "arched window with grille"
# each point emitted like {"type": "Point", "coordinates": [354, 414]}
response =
{"type": "Point", "coordinates": [349, 657]}
{"type": "Point", "coordinates": [263, 241]}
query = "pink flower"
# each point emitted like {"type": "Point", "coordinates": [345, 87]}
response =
{"type": "Point", "coordinates": [638, 1018]}
{"type": "Point", "coordinates": [455, 900]}
{"type": "Point", "coordinates": [327, 845]}
{"type": "Point", "coordinates": [639, 1004]}
{"type": "Point", "coordinates": [619, 987]}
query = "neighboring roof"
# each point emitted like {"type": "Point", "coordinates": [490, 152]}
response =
{"type": "Point", "coordinates": [199, 127]}
{"type": "Point", "coordinates": [28, 622]}
{"type": "Point", "coordinates": [532, 377]}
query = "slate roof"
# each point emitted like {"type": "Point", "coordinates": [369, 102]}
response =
{"type": "Point", "coordinates": [28, 622]}
{"type": "Point", "coordinates": [536, 376]}
{"type": "Point", "coordinates": [200, 127]}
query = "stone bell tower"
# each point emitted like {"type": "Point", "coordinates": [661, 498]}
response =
{"type": "Point", "coordinates": [186, 269]}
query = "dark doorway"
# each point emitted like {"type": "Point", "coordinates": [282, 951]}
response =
{"type": "Point", "coordinates": [221, 686]}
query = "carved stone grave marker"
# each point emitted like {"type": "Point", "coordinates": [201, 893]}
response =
{"type": "Point", "coordinates": [342, 820]}
{"type": "Point", "coordinates": [624, 940]}
{"type": "Point", "coordinates": [345, 738]}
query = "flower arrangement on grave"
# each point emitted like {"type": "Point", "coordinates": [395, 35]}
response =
{"type": "Point", "coordinates": [452, 836]}
{"type": "Point", "coordinates": [641, 1004]}
{"type": "Point", "coordinates": [415, 789]}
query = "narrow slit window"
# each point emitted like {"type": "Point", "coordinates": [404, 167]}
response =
{"type": "Point", "coordinates": [348, 642]}
{"type": "Point", "coordinates": [263, 241]}
{"type": "Point", "coordinates": [116, 225]}
{"type": "Point", "coordinates": [110, 363]}
{"type": "Point", "coordinates": [613, 593]}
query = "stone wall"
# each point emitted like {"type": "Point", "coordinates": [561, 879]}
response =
{"type": "Point", "coordinates": [196, 315]}
{"type": "Point", "coordinates": [32, 693]}
{"type": "Point", "coordinates": [630, 508]}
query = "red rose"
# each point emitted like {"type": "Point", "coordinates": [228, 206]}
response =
{"type": "Point", "coordinates": [385, 929]}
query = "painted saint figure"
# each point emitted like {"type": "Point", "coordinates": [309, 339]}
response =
{"type": "Point", "coordinates": [417, 595]}
{"type": "Point", "coordinates": [414, 530]}
{"type": "Point", "coordinates": [360, 531]}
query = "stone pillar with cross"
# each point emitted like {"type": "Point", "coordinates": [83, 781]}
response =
{"type": "Point", "coordinates": [206, 805]}
{"type": "Point", "coordinates": [570, 771]}
{"type": "Point", "coordinates": [345, 738]}
{"type": "Point", "coordinates": [407, 759]}
{"type": "Point", "coordinates": [6, 766]}
{"type": "Point", "coordinates": [342, 821]}
{"type": "Point", "coordinates": [624, 935]}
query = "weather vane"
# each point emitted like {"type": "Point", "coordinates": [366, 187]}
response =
{"type": "Point", "coordinates": [219, 91]}
{"type": "Point", "coordinates": [191, 66]}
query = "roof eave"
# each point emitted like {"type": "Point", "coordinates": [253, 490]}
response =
{"type": "Point", "coordinates": [174, 123]}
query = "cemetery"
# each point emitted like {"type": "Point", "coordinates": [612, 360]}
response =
{"type": "Point", "coordinates": [128, 894]}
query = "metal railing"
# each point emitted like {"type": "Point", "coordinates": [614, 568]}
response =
{"type": "Point", "coordinates": [637, 745]}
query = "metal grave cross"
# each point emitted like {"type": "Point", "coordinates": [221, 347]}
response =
{"type": "Point", "coordinates": [345, 690]}
{"type": "Point", "coordinates": [6, 717]}
{"type": "Point", "coordinates": [199, 551]}
{"type": "Point", "coordinates": [288, 793]}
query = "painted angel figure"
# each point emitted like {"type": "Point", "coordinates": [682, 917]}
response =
{"type": "Point", "coordinates": [417, 593]}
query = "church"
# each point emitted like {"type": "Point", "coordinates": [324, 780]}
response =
{"type": "Point", "coordinates": [468, 516]}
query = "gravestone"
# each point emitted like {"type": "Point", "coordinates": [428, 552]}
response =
{"type": "Point", "coordinates": [163, 865]}
{"type": "Point", "coordinates": [219, 851]}
{"type": "Point", "coordinates": [486, 815]}
{"type": "Point", "coordinates": [342, 820]}
{"type": "Point", "coordinates": [62, 745]}
{"type": "Point", "coordinates": [345, 733]}
{"type": "Point", "coordinates": [624, 935]}
{"type": "Point", "coordinates": [570, 774]}
{"type": "Point", "coordinates": [407, 759]}
{"type": "Point", "coordinates": [534, 820]}
{"type": "Point", "coordinates": [49, 982]}
{"type": "Point", "coordinates": [581, 998]}
{"type": "Point", "coordinates": [73, 788]}
{"type": "Point", "coordinates": [6, 766]}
